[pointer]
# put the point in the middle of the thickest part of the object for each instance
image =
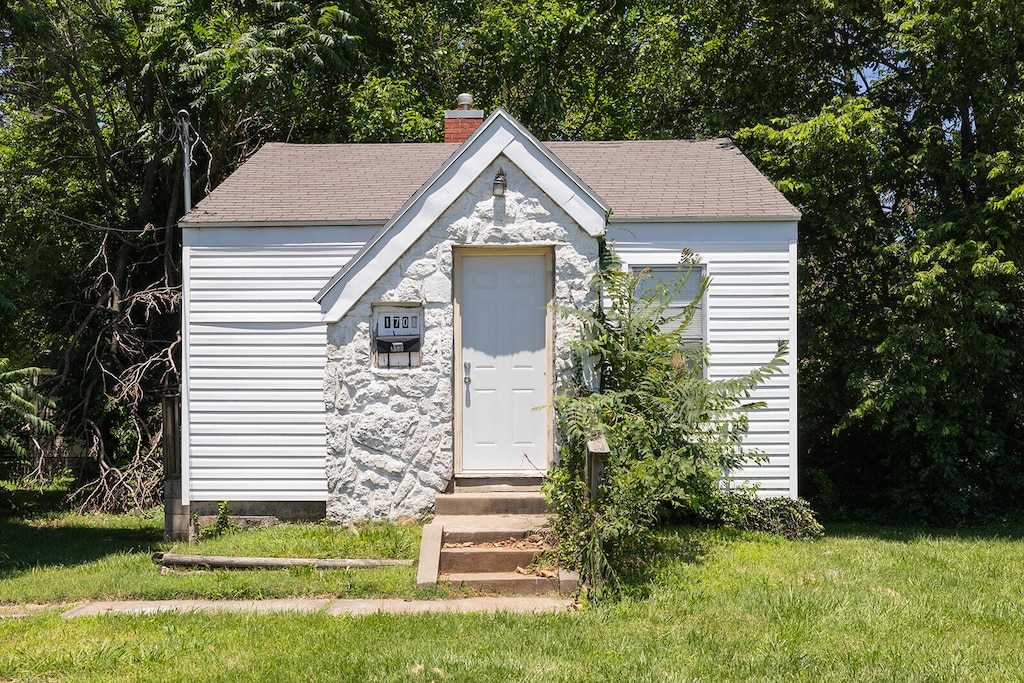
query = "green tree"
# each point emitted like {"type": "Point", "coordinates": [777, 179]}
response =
{"type": "Point", "coordinates": [91, 190]}
{"type": "Point", "coordinates": [708, 69]}
{"type": "Point", "coordinates": [910, 292]}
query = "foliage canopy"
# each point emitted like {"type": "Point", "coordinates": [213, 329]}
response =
{"type": "Point", "coordinates": [894, 126]}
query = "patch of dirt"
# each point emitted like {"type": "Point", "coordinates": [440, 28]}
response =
{"type": "Point", "coordinates": [532, 542]}
{"type": "Point", "coordinates": [28, 609]}
{"type": "Point", "coordinates": [538, 571]}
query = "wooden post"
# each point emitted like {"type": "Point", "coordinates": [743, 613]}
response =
{"type": "Point", "coordinates": [597, 457]}
{"type": "Point", "coordinates": [176, 515]}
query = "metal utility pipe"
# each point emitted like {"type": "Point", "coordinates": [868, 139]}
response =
{"type": "Point", "coordinates": [186, 148]}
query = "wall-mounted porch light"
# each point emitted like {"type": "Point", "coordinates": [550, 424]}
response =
{"type": "Point", "coordinates": [500, 183]}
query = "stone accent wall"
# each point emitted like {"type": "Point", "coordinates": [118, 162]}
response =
{"type": "Point", "coordinates": [389, 432]}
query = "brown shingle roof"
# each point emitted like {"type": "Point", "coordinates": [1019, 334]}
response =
{"type": "Point", "coordinates": [303, 184]}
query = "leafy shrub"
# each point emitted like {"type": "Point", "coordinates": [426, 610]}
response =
{"type": "Point", "coordinates": [789, 517]}
{"type": "Point", "coordinates": [671, 430]}
{"type": "Point", "coordinates": [19, 405]}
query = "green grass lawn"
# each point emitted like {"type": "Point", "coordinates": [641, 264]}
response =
{"type": "Point", "coordinates": [864, 604]}
{"type": "Point", "coordinates": [64, 557]}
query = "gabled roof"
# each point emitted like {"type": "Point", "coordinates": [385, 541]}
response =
{"type": "Point", "coordinates": [500, 135]}
{"type": "Point", "coordinates": [286, 184]}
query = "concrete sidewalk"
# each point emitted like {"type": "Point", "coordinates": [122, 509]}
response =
{"type": "Point", "coordinates": [299, 605]}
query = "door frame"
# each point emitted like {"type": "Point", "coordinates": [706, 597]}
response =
{"type": "Point", "coordinates": [458, 253]}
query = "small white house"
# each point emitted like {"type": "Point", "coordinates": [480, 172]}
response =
{"type": "Point", "coordinates": [364, 323]}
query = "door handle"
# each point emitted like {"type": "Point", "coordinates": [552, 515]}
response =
{"type": "Point", "coordinates": [466, 366]}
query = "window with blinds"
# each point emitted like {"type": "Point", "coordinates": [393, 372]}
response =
{"type": "Point", "coordinates": [693, 335]}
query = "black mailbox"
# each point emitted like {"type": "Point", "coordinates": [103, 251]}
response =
{"type": "Point", "coordinates": [398, 344]}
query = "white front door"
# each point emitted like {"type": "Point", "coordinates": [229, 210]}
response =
{"type": "Point", "coordinates": [502, 378]}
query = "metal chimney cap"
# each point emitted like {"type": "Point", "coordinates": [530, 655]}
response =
{"type": "Point", "coordinates": [464, 101]}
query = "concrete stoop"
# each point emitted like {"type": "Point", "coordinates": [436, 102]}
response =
{"type": "Point", "coordinates": [490, 503]}
{"type": "Point", "coordinates": [466, 519]}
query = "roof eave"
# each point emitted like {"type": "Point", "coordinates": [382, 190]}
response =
{"type": "Point", "coordinates": [787, 218]}
{"type": "Point", "coordinates": [271, 223]}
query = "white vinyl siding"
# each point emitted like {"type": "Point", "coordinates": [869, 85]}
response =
{"type": "Point", "coordinates": [750, 306]}
{"type": "Point", "coordinates": [255, 355]}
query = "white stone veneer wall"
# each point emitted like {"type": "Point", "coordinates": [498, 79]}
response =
{"type": "Point", "coordinates": [389, 432]}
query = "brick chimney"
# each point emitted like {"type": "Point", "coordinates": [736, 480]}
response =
{"type": "Point", "coordinates": [460, 123]}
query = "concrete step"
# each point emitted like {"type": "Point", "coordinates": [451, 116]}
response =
{"type": "Point", "coordinates": [502, 582]}
{"type": "Point", "coordinates": [485, 560]}
{"type": "Point", "coordinates": [470, 483]}
{"type": "Point", "coordinates": [490, 528]}
{"type": "Point", "coordinates": [491, 503]}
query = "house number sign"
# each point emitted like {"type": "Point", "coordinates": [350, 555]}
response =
{"type": "Point", "coordinates": [397, 336]}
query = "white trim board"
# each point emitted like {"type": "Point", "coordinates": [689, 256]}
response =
{"type": "Point", "coordinates": [271, 235]}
